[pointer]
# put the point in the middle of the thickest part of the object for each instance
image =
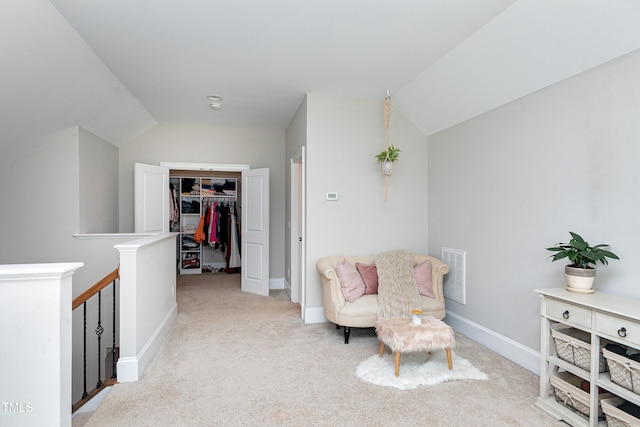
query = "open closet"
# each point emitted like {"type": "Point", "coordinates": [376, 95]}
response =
{"type": "Point", "coordinates": [205, 211]}
{"type": "Point", "coordinates": [154, 199]}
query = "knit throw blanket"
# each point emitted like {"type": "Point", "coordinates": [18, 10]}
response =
{"type": "Point", "coordinates": [397, 288]}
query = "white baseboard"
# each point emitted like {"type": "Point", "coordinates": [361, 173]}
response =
{"type": "Point", "coordinates": [130, 368]}
{"type": "Point", "coordinates": [504, 346]}
{"type": "Point", "coordinates": [93, 404]}
{"type": "Point", "coordinates": [276, 283]}
{"type": "Point", "coordinates": [314, 315]}
{"type": "Point", "coordinates": [287, 286]}
{"type": "Point", "coordinates": [127, 369]}
{"type": "Point", "coordinates": [289, 291]}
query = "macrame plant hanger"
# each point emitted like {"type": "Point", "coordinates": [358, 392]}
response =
{"type": "Point", "coordinates": [387, 164]}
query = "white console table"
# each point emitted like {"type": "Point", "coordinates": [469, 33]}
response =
{"type": "Point", "coordinates": [601, 315]}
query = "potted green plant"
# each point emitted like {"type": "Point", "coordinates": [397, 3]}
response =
{"type": "Point", "coordinates": [581, 272]}
{"type": "Point", "coordinates": [387, 157]}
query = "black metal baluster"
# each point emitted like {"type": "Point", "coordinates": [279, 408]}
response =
{"type": "Point", "coordinates": [84, 299]}
{"type": "Point", "coordinates": [84, 352]}
{"type": "Point", "coordinates": [99, 331]}
{"type": "Point", "coordinates": [113, 348]}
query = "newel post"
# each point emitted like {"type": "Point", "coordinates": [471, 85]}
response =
{"type": "Point", "coordinates": [35, 332]}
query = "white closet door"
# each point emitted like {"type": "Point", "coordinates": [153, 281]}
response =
{"type": "Point", "coordinates": [255, 231]}
{"type": "Point", "coordinates": [151, 198]}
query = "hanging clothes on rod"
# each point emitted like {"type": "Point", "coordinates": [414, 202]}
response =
{"type": "Point", "coordinates": [219, 223]}
{"type": "Point", "coordinates": [214, 209]}
{"type": "Point", "coordinates": [173, 203]}
{"type": "Point", "coordinates": [212, 220]}
{"type": "Point", "coordinates": [199, 235]}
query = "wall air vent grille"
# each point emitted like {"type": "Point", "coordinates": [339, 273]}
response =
{"type": "Point", "coordinates": [454, 281]}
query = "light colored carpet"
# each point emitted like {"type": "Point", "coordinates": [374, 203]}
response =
{"type": "Point", "coordinates": [237, 359]}
{"type": "Point", "coordinates": [417, 369]}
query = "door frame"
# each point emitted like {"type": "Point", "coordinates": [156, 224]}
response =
{"type": "Point", "coordinates": [214, 167]}
{"type": "Point", "coordinates": [297, 230]}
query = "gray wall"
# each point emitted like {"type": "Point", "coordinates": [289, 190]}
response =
{"type": "Point", "coordinates": [508, 184]}
{"type": "Point", "coordinates": [343, 136]}
{"type": "Point", "coordinates": [296, 138]}
{"type": "Point", "coordinates": [98, 169]}
{"type": "Point", "coordinates": [40, 202]}
{"type": "Point", "coordinates": [41, 210]}
{"type": "Point", "coordinates": [187, 142]}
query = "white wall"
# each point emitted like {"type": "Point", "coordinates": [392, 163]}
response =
{"type": "Point", "coordinates": [343, 136]}
{"type": "Point", "coordinates": [508, 184]}
{"type": "Point", "coordinates": [51, 79]}
{"type": "Point", "coordinates": [148, 307]}
{"type": "Point", "coordinates": [188, 142]}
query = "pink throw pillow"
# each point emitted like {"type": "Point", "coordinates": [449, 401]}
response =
{"type": "Point", "coordinates": [350, 280]}
{"type": "Point", "coordinates": [369, 274]}
{"type": "Point", "coordinates": [422, 272]}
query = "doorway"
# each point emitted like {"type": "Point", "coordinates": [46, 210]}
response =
{"type": "Point", "coordinates": [152, 208]}
{"type": "Point", "coordinates": [209, 199]}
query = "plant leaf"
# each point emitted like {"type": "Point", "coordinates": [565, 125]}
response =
{"type": "Point", "coordinates": [577, 237]}
{"type": "Point", "coordinates": [609, 254]}
{"type": "Point", "coordinates": [560, 255]}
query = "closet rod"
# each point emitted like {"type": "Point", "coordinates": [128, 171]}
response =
{"type": "Point", "coordinates": [220, 198]}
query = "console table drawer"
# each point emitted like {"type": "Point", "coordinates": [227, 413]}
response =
{"type": "Point", "coordinates": [619, 328]}
{"type": "Point", "coordinates": [568, 313]}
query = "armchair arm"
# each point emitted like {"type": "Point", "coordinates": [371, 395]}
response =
{"type": "Point", "coordinates": [332, 297]}
{"type": "Point", "coordinates": [438, 270]}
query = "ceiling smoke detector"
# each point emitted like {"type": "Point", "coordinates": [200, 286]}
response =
{"type": "Point", "coordinates": [216, 105]}
{"type": "Point", "coordinates": [214, 98]}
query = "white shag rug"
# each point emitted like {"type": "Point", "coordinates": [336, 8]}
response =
{"type": "Point", "coordinates": [417, 369]}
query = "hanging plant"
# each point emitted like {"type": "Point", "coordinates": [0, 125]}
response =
{"type": "Point", "coordinates": [392, 153]}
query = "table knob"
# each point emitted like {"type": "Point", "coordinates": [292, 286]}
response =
{"type": "Point", "coordinates": [565, 314]}
{"type": "Point", "coordinates": [622, 332]}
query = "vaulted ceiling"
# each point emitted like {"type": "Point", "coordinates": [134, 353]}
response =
{"type": "Point", "coordinates": [118, 67]}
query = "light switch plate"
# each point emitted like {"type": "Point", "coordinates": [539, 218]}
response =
{"type": "Point", "coordinates": [331, 196]}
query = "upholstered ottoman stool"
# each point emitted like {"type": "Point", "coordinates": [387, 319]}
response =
{"type": "Point", "coordinates": [401, 336]}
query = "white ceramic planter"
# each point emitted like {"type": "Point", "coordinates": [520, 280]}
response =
{"type": "Point", "coordinates": [387, 167]}
{"type": "Point", "coordinates": [580, 279]}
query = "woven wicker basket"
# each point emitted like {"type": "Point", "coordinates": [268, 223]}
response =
{"type": "Point", "coordinates": [617, 417]}
{"type": "Point", "coordinates": [567, 391]}
{"type": "Point", "coordinates": [624, 371]}
{"type": "Point", "coordinates": [574, 346]}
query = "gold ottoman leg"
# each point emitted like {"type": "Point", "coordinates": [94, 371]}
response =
{"type": "Point", "coordinates": [449, 359]}
{"type": "Point", "coordinates": [397, 363]}
{"type": "Point", "coordinates": [381, 349]}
